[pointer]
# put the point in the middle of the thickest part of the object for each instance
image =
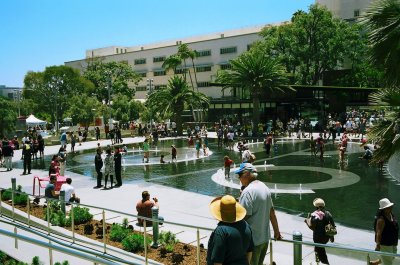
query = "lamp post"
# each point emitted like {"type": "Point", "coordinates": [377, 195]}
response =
{"type": "Point", "coordinates": [18, 97]}
{"type": "Point", "coordinates": [150, 89]}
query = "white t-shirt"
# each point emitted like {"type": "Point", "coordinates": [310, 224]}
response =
{"type": "Point", "coordinates": [69, 190]}
{"type": "Point", "coordinates": [256, 199]}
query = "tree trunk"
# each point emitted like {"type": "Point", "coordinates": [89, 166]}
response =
{"type": "Point", "coordinates": [179, 125]}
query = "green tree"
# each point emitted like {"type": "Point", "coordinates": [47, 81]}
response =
{"type": "Point", "coordinates": [53, 89]}
{"type": "Point", "coordinates": [8, 117]}
{"type": "Point", "coordinates": [111, 78]}
{"type": "Point", "coordinates": [184, 52]}
{"type": "Point", "coordinates": [256, 73]}
{"type": "Point", "coordinates": [313, 43]}
{"type": "Point", "coordinates": [126, 109]}
{"type": "Point", "coordinates": [175, 98]}
{"type": "Point", "coordinates": [382, 20]}
{"type": "Point", "coordinates": [83, 109]}
{"type": "Point", "coordinates": [172, 62]}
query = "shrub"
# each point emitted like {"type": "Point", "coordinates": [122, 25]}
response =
{"type": "Point", "coordinates": [168, 238]}
{"type": "Point", "coordinates": [134, 242]}
{"type": "Point", "coordinates": [20, 198]}
{"type": "Point", "coordinates": [118, 232]}
{"type": "Point", "coordinates": [35, 260]}
{"type": "Point", "coordinates": [82, 215]}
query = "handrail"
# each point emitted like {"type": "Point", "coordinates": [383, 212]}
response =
{"type": "Point", "coordinates": [58, 248]}
{"type": "Point", "coordinates": [67, 245]}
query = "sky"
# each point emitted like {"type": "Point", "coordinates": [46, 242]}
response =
{"type": "Point", "coordinates": [40, 33]}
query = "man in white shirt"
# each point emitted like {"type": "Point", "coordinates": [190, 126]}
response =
{"type": "Point", "coordinates": [69, 192]}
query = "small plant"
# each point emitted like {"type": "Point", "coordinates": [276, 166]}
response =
{"type": "Point", "coordinates": [168, 238]}
{"type": "Point", "coordinates": [20, 198]}
{"type": "Point", "coordinates": [35, 260]}
{"type": "Point", "coordinates": [125, 222]}
{"type": "Point", "coordinates": [82, 215]}
{"type": "Point", "coordinates": [88, 229]}
{"type": "Point", "coordinates": [134, 242]}
{"type": "Point", "coordinates": [118, 232]}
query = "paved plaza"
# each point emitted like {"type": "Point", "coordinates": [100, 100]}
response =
{"type": "Point", "coordinates": [191, 208]}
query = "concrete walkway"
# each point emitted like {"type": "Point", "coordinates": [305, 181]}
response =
{"type": "Point", "coordinates": [189, 208]}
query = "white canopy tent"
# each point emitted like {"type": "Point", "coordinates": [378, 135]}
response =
{"type": "Point", "coordinates": [33, 121]}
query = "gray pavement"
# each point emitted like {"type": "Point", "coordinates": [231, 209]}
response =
{"type": "Point", "coordinates": [188, 208]}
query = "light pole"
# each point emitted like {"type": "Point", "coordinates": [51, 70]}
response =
{"type": "Point", "coordinates": [18, 98]}
{"type": "Point", "coordinates": [150, 89]}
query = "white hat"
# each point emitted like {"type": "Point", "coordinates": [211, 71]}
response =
{"type": "Point", "coordinates": [385, 203]}
{"type": "Point", "coordinates": [318, 202]}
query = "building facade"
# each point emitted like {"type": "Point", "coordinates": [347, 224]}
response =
{"type": "Point", "coordinates": [346, 9]}
{"type": "Point", "coordinates": [14, 93]}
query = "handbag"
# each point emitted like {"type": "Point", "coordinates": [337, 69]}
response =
{"type": "Point", "coordinates": [330, 230]}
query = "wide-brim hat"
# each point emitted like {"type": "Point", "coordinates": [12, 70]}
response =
{"type": "Point", "coordinates": [227, 209]}
{"type": "Point", "coordinates": [318, 202]}
{"type": "Point", "coordinates": [385, 203]}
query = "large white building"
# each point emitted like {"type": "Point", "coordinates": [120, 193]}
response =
{"type": "Point", "coordinates": [213, 53]}
{"type": "Point", "coordinates": [346, 9]}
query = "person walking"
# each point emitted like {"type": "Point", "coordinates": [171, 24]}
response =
{"type": "Point", "coordinates": [109, 168]}
{"type": "Point", "coordinates": [27, 150]}
{"type": "Point", "coordinates": [8, 154]}
{"type": "Point", "coordinates": [98, 163]}
{"type": "Point", "coordinates": [63, 139]}
{"type": "Point", "coordinates": [62, 159]}
{"type": "Point", "coordinates": [256, 199]}
{"type": "Point", "coordinates": [118, 167]}
{"type": "Point", "coordinates": [146, 150]}
{"type": "Point", "coordinates": [173, 153]}
{"type": "Point", "coordinates": [73, 142]}
{"type": "Point", "coordinates": [232, 241]}
{"type": "Point", "coordinates": [317, 222]}
{"type": "Point", "coordinates": [386, 231]}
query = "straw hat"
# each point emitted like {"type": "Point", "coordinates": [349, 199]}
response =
{"type": "Point", "coordinates": [385, 203]}
{"type": "Point", "coordinates": [226, 209]}
{"type": "Point", "coordinates": [318, 202]}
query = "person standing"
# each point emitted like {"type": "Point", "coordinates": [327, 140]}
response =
{"type": "Point", "coordinates": [109, 168]}
{"type": "Point", "coordinates": [73, 142]}
{"type": "Point", "coordinates": [118, 167]}
{"type": "Point", "coordinates": [386, 231]}
{"type": "Point", "coordinates": [173, 153]}
{"type": "Point", "coordinates": [41, 146]}
{"type": "Point", "coordinates": [256, 199]}
{"type": "Point", "coordinates": [227, 167]}
{"type": "Point", "coordinates": [231, 242]}
{"type": "Point", "coordinates": [267, 144]}
{"type": "Point", "coordinates": [98, 164]}
{"type": "Point", "coordinates": [146, 150]}
{"type": "Point", "coordinates": [27, 155]}
{"type": "Point", "coordinates": [63, 139]}
{"type": "Point", "coordinates": [317, 223]}
{"type": "Point", "coordinates": [62, 159]}
{"type": "Point", "coordinates": [8, 154]}
{"type": "Point", "coordinates": [97, 130]}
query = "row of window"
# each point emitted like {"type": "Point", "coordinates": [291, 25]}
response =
{"type": "Point", "coordinates": [199, 69]}
{"type": "Point", "coordinates": [202, 53]}
{"type": "Point", "coordinates": [157, 87]}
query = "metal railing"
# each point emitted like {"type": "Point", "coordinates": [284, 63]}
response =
{"type": "Point", "coordinates": [52, 234]}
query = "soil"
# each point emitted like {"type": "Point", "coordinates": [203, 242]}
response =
{"type": "Point", "coordinates": [182, 254]}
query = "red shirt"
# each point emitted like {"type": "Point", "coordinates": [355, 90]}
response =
{"type": "Point", "coordinates": [228, 163]}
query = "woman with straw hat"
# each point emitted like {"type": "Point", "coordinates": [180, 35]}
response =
{"type": "Point", "coordinates": [231, 242]}
{"type": "Point", "coordinates": [386, 231]}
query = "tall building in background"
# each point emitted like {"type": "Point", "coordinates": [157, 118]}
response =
{"type": "Point", "coordinates": [346, 9]}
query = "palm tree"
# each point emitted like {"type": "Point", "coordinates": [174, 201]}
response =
{"type": "Point", "coordinates": [172, 62]}
{"type": "Point", "coordinates": [382, 20]}
{"type": "Point", "coordinates": [258, 74]}
{"type": "Point", "coordinates": [175, 98]}
{"type": "Point", "coordinates": [387, 132]}
{"type": "Point", "coordinates": [184, 52]}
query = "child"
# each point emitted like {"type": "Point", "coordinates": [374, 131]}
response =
{"type": "Point", "coordinates": [173, 153]}
{"type": "Point", "coordinates": [162, 159]}
{"type": "Point", "coordinates": [227, 166]}
{"type": "Point", "coordinates": [205, 150]}
{"type": "Point", "coordinates": [342, 150]}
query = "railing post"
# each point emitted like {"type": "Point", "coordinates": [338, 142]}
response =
{"type": "Point", "coordinates": [62, 201]}
{"type": "Point", "coordinates": [73, 223]}
{"type": "Point", "coordinates": [28, 205]}
{"type": "Point", "coordinates": [104, 231]}
{"type": "Point", "coordinates": [198, 246]}
{"type": "Point", "coordinates": [154, 215]}
{"type": "Point", "coordinates": [1, 206]}
{"type": "Point", "coordinates": [13, 187]}
{"type": "Point", "coordinates": [50, 254]}
{"type": "Point", "coordinates": [145, 242]}
{"type": "Point", "coordinates": [271, 254]}
{"type": "Point", "coordinates": [16, 240]}
{"type": "Point", "coordinates": [297, 255]}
